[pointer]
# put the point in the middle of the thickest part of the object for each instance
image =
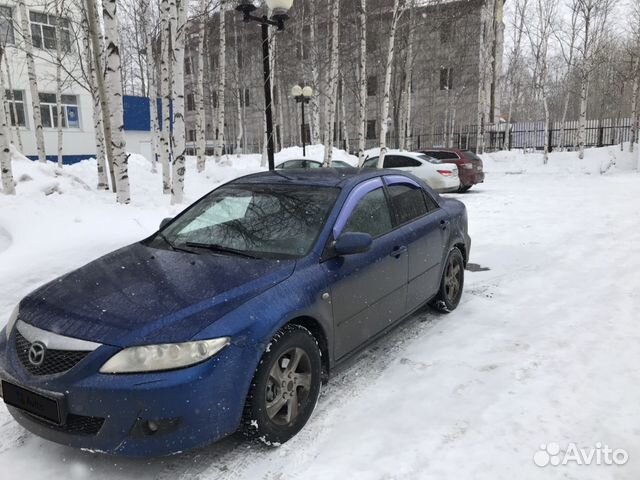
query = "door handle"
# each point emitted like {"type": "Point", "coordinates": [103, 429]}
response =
{"type": "Point", "coordinates": [399, 251]}
{"type": "Point", "coordinates": [444, 224]}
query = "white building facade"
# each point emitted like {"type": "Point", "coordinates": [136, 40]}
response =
{"type": "Point", "coordinates": [77, 101]}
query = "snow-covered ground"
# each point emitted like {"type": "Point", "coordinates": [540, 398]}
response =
{"type": "Point", "coordinates": [545, 347]}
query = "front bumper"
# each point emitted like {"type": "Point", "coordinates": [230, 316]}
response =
{"type": "Point", "coordinates": [111, 413]}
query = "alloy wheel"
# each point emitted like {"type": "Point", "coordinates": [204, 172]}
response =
{"type": "Point", "coordinates": [288, 386]}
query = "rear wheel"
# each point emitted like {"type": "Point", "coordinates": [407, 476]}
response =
{"type": "Point", "coordinates": [464, 188]}
{"type": "Point", "coordinates": [451, 284]}
{"type": "Point", "coordinates": [285, 387]}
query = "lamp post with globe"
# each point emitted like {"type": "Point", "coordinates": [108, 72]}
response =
{"type": "Point", "coordinates": [302, 96]}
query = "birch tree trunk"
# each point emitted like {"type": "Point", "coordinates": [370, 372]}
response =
{"type": "Point", "coordinates": [582, 119]}
{"type": "Point", "coordinates": [398, 9]}
{"type": "Point", "coordinates": [33, 80]}
{"type": "Point", "coordinates": [6, 172]}
{"type": "Point", "coordinates": [201, 121]}
{"type": "Point", "coordinates": [405, 139]}
{"type": "Point", "coordinates": [345, 130]}
{"type": "Point", "coordinates": [179, 151]}
{"type": "Point", "coordinates": [156, 140]}
{"type": "Point", "coordinates": [12, 99]}
{"type": "Point", "coordinates": [113, 78]}
{"type": "Point", "coordinates": [362, 112]}
{"type": "Point", "coordinates": [239, 96]}
{"type": "Point", "coordinates": [59, 115]}
{"type": "Point", "coordinates": [103, 182]}
{"type": "Point", "coordinates": [634, 105]}
{"type": "Point", "coordinates": [315, 74]}
{"type": "Point", "coordinates": [545, 103]}
{"type": "Point", "coordinates": [333, 81]}
{"type": "Point", "coordinates": [222, 69]}
{"type": "Point", "coordinates": [166, 92]}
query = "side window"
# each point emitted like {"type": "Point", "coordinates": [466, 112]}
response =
{"type": "Point", "coordinates": [408, 201]}
{"type": "Point", "coordinates": [371, 215]}
{"type": "Point", "coordinates": [370, 163]}
{"type": "Point", "coordinates": [397, 161]}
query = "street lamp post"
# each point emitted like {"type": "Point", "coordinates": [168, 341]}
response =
{"type": "Point", "coordinates": [279, 9]}
{"type": "Point", "coordinates": [302, 96]}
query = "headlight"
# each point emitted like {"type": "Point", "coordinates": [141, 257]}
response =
{"type": "Point", "coordinates": [155, 358]}
{"type": "Point", "coordinates": [13, 318]}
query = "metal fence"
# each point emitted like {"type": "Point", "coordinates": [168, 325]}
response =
{"type": "Point", "coordinates": [528, 135]}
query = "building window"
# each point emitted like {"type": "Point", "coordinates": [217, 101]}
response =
{"type": "Point", "coordinates": [187, 65]}
{"type": "Point", "coordinates": [371, 130]}
{"type": "Point", "coordinates": [18, 103]}
{"type": "Point", "coordinates": [245, 100]}
{"type": "Point", "coordinates": [49, 111]}
{"type": "Point", "coordinates": [191, 102]}
{"type": "Point", "coordinates": [372, 86]}
{"type": "Point", "coordinates": [43, 31]}
{"type": "Point", "coordinates": [214, 99]}
{"type": "Point", "coordinates": [306, 133]}
{"type": "Point", "coordinates": [240, 58]}
{"type": "Point", "coordinates": [191, 136]}
{"type": "Point", "coordinates": [7, 35]}
{"type": "Point", "coordinates": [446, 78]}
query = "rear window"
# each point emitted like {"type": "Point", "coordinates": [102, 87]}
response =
{"type": "Point", "coordinates": [469, 154]}
{"type": "Point", "coordinates": [440, 155]}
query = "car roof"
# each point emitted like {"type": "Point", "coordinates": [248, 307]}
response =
{"type": "Point", "coordinates": [322, 177]}
{"type": "Point", "coordinates": [403, 153]}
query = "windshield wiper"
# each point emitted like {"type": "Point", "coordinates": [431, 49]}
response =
{"type": "Point", "coordinates": [173, 247]}
{"type": "Point", "coordinates": [220, 249]}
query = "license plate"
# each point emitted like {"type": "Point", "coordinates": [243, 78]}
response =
{"type": "Point", "coordinates": [33, 403]}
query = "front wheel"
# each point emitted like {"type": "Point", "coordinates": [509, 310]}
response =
{"type": "Point", "coordinates": [285, 387]}
{"type": "Point", "coordinates": [451, 284]}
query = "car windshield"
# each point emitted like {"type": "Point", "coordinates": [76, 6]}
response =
{"type": "Point", "coordinates": [263, 221]}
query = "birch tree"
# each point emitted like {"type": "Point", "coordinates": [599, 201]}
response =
{"type": "Point", "coordinates": [222, 76]}
{"type": "Point", "coordinates": [239, 91]}
{"type": "Point", "coordinates": [166, 69]}
{"type": "Point", "coordinates": [567, 37]}
{"type": "Point", "coordinates": [113, 78]}
{"type": "Point", "coordinates": [362, 71]}
{"type": "Point", "coordinates": [405, 130]}
{"type": "Point", "coordinates": [152, 82]}
{"type": "Point", "coordinates": [315, 73]}
{"type": "Point", "coordinates": [6, 172]}
{"type": "Point", "coordinates": [398, 10]}
{"type": "Point", "coordinates": [333, 82]}
{"type": "Point", "coordinates": [92, 80]}
{"type": "Point", "coordinates": [594, 19]}
{"type": "Point", "coordinates": [59, 6]}
{"type": "Point", "coordinates": [514, 74]}
{"type": "Point", "coordinates": [539, 31]}
{"type": "Point", "coordinates": [201, 120]}
{"type": "Point", "coordinates": [179, 149]}
{"type": "Point", "coordinates": [33, 80]}
{"type": "Point", "coordinates": [12, 105]}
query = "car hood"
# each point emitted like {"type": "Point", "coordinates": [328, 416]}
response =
{"type": "Point", "coordinates": [142, 295]}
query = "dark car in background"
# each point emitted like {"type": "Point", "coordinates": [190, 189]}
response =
{"type": "Point", "coordinates": [470, 167]}
{"type": "Point", "coordinates": [306, 163]}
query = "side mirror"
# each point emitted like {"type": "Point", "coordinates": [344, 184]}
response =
{"type": "Point", "coordinates": [165, 222]}
{"type": "Point", "coordinates": [352, 243]}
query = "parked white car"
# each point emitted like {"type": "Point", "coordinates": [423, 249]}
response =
{"type": "Point", "coordinates": [442, 177]}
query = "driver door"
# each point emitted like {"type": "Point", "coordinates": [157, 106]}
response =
{"type": "Point", "coordinates": [368, 290]}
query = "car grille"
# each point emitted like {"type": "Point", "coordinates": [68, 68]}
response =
{"type": "Point", "coordinates": [75, 425]}
{"type": "Point", "coordinates": [55, 361]}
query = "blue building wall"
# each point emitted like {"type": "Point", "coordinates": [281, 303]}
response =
{"type": "Point", "coordinates": [137, 118]}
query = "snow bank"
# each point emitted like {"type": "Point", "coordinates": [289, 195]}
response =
{"type": "Point", "coordinates": [596, 161]}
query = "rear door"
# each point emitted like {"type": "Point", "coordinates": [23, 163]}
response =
{"type": "Point", "coordinates": [424, 229]}
{"type": "Point", "coordinates": [368, 290]}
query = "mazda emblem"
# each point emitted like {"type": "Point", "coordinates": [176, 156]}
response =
{"type": "Point", "coordinates": [37, 353]}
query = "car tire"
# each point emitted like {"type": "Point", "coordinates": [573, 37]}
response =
{"type": "Point", "coordinates": [451, 284]}
{"type": "Point", "coordinates": [464, 188]}
{"type": "Point", "coordinates": [282, 396]}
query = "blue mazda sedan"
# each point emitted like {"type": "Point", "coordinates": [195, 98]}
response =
{"type": "Point", "coordinates": [233, 314]}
